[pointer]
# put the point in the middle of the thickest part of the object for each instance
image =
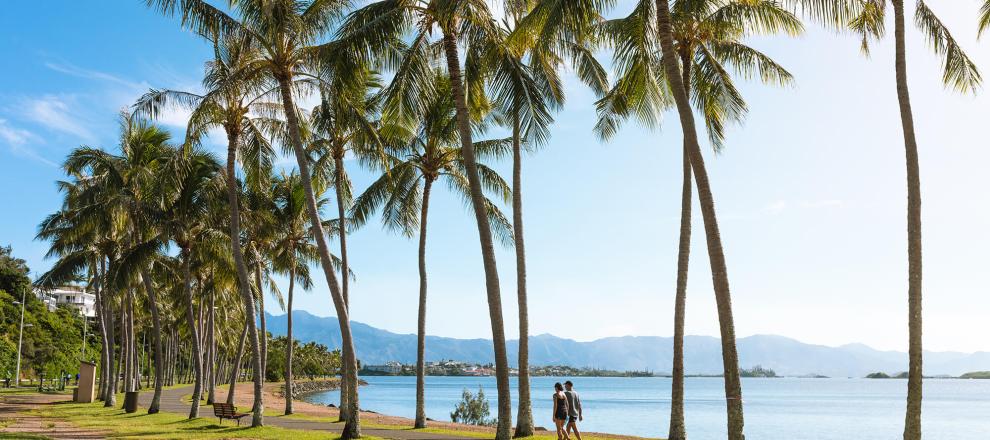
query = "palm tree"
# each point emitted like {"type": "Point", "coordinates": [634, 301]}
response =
{"type": "Point", "coordinates": [960, 73]}
{"type": "Point", "coordinates": [125, 184]}
{"type": "Point", "coordinates": [292, 254]}
{"type": "Point", "coordinates": [984, 17]}
{"type": "Point", "coordinates": [83, 239]}
{"type": "Point", "coordinates": [237, 104]}
{"type": "Point", "coordinates": [340, 125]}
{"type": "Point", "coordinates": [707, 37]}
{"type": "Point", "coordinates": [432, 153]}
{"type": "Point", "coordinates": [460, 23]}
{"type": "Point", "coordinates": [286, 34]}
{"type": "Point", "coordinates": [730, 358]}
{"type": "Point", "coordinates": [195, 184]}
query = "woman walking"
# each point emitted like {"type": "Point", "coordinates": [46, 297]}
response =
{"type": "Point", "coordinates": [560, 411]}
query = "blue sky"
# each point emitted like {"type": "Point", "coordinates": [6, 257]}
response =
{"type": "Point", "coordinates": [810, 192]}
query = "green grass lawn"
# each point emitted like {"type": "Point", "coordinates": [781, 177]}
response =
{"type": "Point", "coordinates": [165, 425]}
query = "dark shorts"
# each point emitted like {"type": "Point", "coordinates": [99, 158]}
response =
{"type": "Point", "coordinates": [572, 419]}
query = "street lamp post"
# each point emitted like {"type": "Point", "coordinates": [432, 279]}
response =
{"type": "Point", "coordinates": [20, 339]}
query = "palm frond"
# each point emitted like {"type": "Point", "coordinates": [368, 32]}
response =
{"type": "Point", "coordinates": [959, 72]}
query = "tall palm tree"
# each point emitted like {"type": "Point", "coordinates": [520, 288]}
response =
{"type": "Point", "coordinates": [83, 239]}
{"type": "Point", "coordinates": [196, 183]}
{"type": "Point", "coordinates": [287, 35]}
{"type": "Point", "coordinates": [292, 254]}
{"type": "Point", "coordinates": [960, 73]}
{"type": "Point", "coordinates": [461, 24]}
{"type": "Point", "coordinates": [526, 88]}
{"type": "Point", "coordinates": [432, 153]}
{"type": "Point", "coordinates": [707, 37]}
{"type": "Point", "coordinates": [730, 358]}
{"type": "Point", "coordinates": [342, 125]}
{"type": "Point", "coordinates": [237, 103]}
{"type": "Point", "coordinates": [125, 184]}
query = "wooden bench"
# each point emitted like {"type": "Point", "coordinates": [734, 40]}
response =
{"type": "Point", "coordinates": [227, 411]}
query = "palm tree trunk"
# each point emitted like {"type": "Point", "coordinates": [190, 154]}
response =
{"type": "Point", "coordinates": [345, 387]}
{"type": "Point", "coordinates": [677, 430]}
{"type": "Point", "coordinates": [100, 312]}
{"type": "Point", "coordinates": [716, 255]}
{"type": "Point", "coordinates": [288, 342]}
{"type": "Point", "coordinates": [125, 339]}
{"type": "Point", "coordinates": [912, 418]}
{"type": "Point", "coordinates": [504, 427]}
{"type": "Point", "coordinates": [156, 330]}
{"type": "Point", "coordinates": [243, 283]}
{"type": "Point", "coordinates": [212, 347]}
{"type": "Point", "coordinates": [124, 358]}
{"type": "Point", "coordinates": [191, 319]}
{"type": "Point", "coordinates": [352, 426]}
{"type": "Point", "coordinates": [235, 369]}
{"type": "Point", "coordinates": [421, 323]}
{"type": "Point", "coordinates": [261, 314]}
{"type": "Point", "coordinates": [110, 396]}
{"type": "Point", "coordinates": [524, 418]}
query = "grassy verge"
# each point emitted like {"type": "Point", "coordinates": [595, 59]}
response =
{"type": "Point", "coordinates": [165, 425]}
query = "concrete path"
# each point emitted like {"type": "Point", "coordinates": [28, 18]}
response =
{"type": "Point", "coordinates": [172, 402]}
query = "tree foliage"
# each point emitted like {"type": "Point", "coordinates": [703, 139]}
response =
{"type": "Point", "coordinates": [472, 409]}
{"type": "Point", "coordinates": [52, 339]}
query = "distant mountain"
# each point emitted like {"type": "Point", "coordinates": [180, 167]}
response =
{"type": "Point", "coordinates": [703, 354]}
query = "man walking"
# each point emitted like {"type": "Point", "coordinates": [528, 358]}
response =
{"type": "Point", "coordinates": [574, 409]}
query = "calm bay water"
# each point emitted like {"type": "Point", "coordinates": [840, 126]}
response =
{"type": "Point", "coordinates": [776, 409]}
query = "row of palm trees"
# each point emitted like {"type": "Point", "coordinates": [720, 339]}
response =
{"type": "Point", "coordinates": [158, 218]}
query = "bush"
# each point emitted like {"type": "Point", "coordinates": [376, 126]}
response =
{"type": "Point", "coordinates": [472, 410]}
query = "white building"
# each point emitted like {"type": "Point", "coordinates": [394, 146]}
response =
{"type": "Point", "coordinates": [74, 296]}
{"type": "Point", "coordinates": [391, 367]}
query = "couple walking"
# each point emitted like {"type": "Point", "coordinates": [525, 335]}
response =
{"type": "Point", "coordinates": [566, 410]}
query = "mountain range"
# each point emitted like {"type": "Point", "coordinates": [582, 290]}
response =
{"type": "Point", "coordinates": [703, 354]}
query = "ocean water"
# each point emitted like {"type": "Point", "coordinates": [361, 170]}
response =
{"type": "Point", "coordinates": [775, 409]}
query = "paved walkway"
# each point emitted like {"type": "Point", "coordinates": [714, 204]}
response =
{"type": "Point", "coordinates": [15, 408]}
{"type": "Point", "coordinates": [172, 402]}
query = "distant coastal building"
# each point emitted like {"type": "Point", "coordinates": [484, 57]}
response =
{"type": "Point", "coordinates": [391, 367]}
{"type": "Point", "coordinates": [74, 296]}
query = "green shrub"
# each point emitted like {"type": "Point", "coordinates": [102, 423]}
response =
{"type": "Point", "coordinates": [472, 410]}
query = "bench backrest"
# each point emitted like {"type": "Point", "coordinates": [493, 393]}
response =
{"type": "Point", "coordinates": [223, 410]}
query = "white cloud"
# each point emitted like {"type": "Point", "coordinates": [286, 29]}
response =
{"type": "Point", "coordinates": [55, 113]}
{"type": "Point", "coordinates": [80, 72]}
{"type": "Point", "coordinates": [13, 135]}
{"type": "Point", "coordinates": [17, 140]}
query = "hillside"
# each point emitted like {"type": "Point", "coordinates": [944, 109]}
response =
{"type": "Point", "coordinates": [784, 355]}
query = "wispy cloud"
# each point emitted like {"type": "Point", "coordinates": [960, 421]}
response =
{"type": "Point", "coordinates": [18, 140]}
{"type": "Point", "coordinates": [13, 135]}
{"type": "Point", "coordinates": [79, 72]}
{"type": "Point", "coordinates": [54, 112]}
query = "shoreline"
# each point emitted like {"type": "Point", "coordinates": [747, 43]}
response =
{"type": "Point", "coordinates": [275, 406]}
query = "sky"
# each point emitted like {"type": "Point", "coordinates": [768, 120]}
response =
{"type": "Point", "coordinates": [810, 191]}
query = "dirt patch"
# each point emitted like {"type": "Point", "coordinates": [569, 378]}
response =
{"type": "Point", "coordinates": [18, 418]}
